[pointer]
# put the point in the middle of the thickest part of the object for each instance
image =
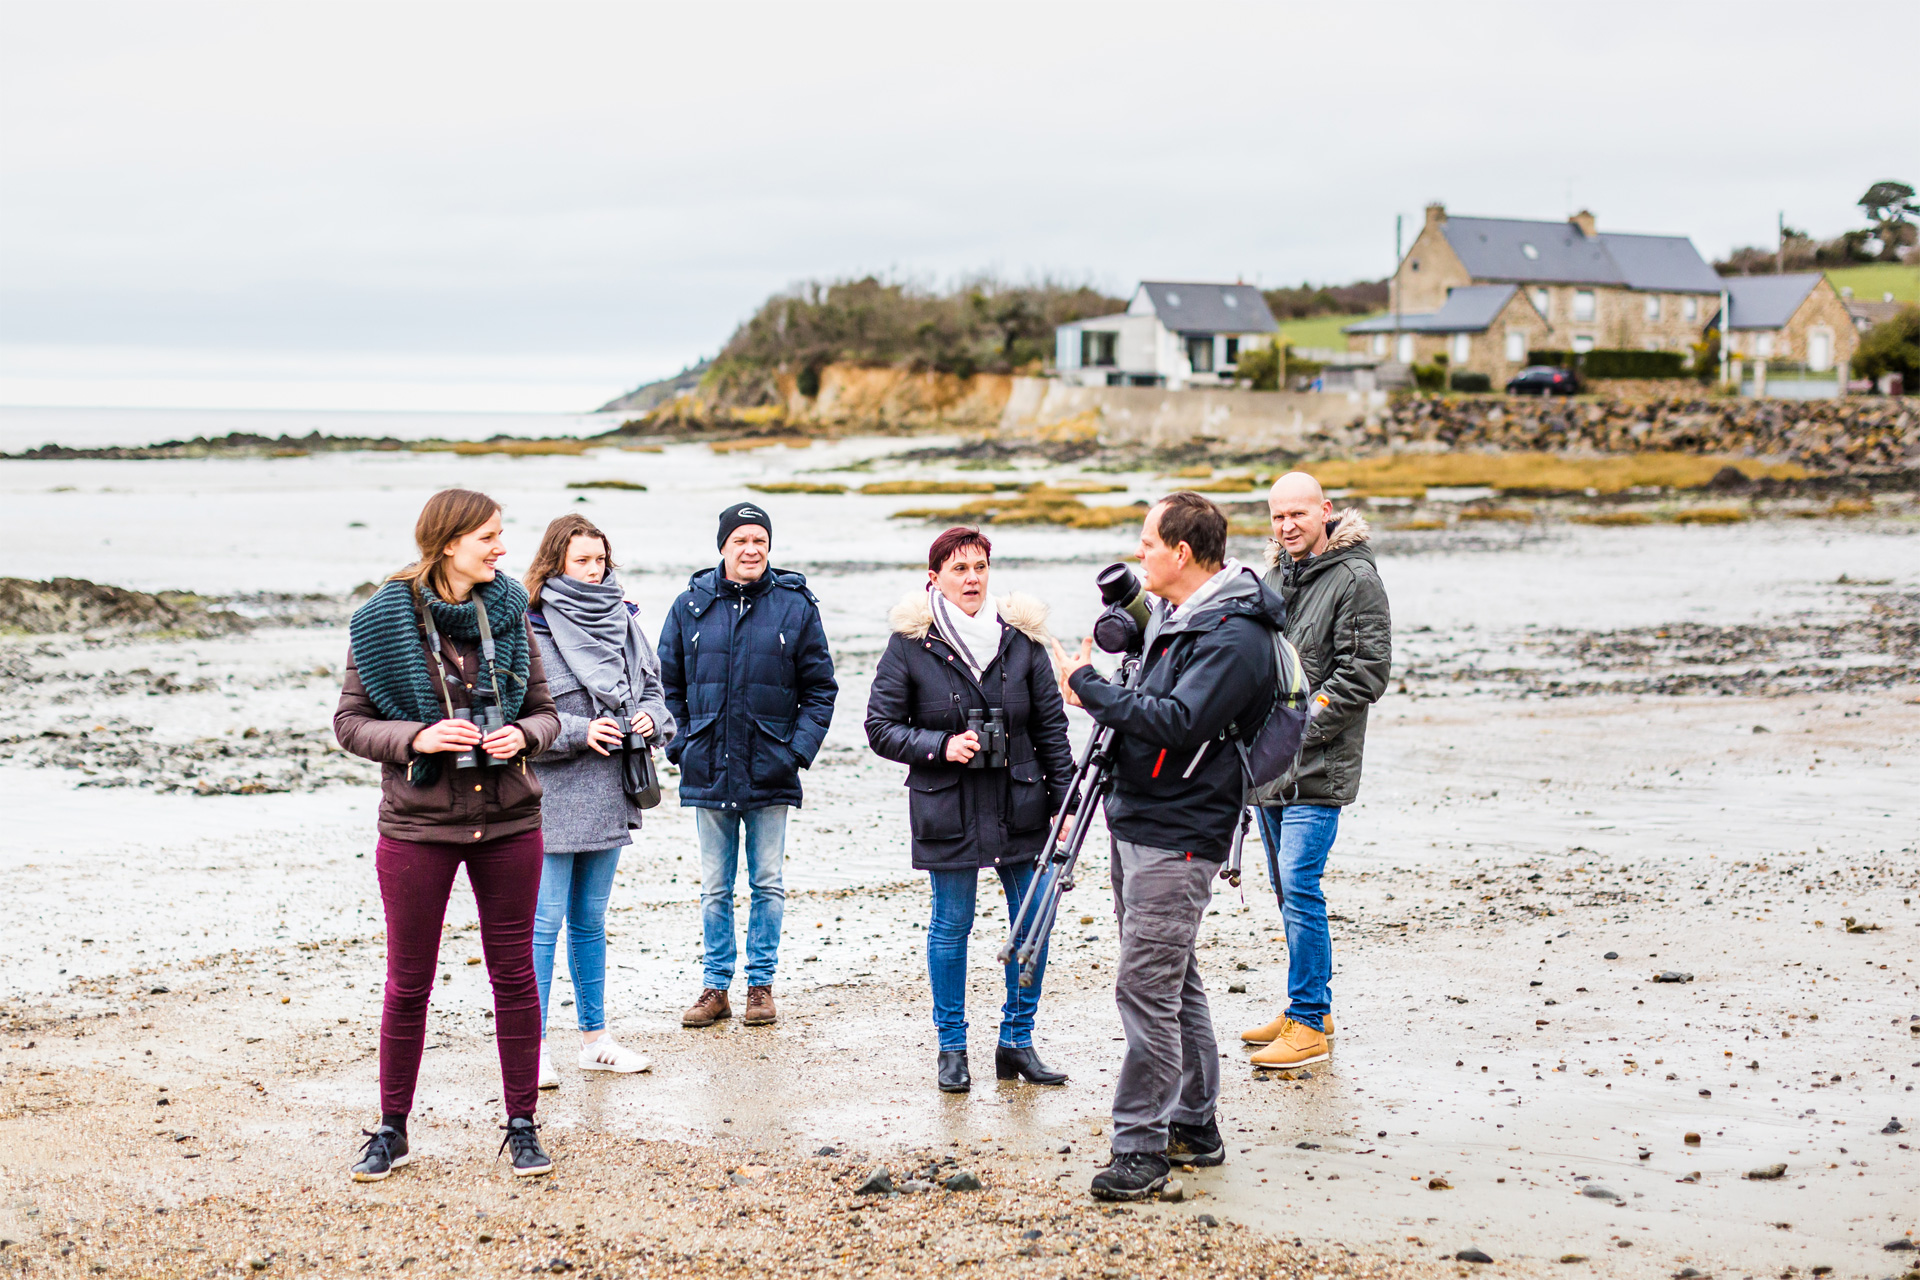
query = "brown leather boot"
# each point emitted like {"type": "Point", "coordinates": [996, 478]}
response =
{"type": "Point", "coordinates": [760, 1007]}
{"type": "Point", "coordinates": [710, 1008]}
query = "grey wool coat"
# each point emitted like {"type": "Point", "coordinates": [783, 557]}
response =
{"type": "Point", "coordinates": [585, 809]}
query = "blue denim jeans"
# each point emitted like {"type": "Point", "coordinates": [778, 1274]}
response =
{"type": "Point", "coordinates": [574, 888]}
{"type": "Point", "coordinates": [1298, 838]}
{"type": "Point", "coordinates": [953, 900]}
{"type": "Point", "coordinates": [765, 836]}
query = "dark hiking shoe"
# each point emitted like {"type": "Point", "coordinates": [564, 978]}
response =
{"type": "Point", "coordinates": [1024, 1064]}
{"type": "Point", "coordinates": [760, 1007]}
{"type": "Point", "coordinates": [386, 1150]}
{"type": "Point", "coordinates": [1133, 1175]}
{"type": "Point", "coordinates": [1199, 1145]}
{"type": "Point", "coordinates": [529, 1157]}
{"type": "Point", "coordinates": [710, 1008]}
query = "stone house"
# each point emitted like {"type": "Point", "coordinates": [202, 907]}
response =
{"type": "Point", "coordinates": [1479, 328]}
{"type": "Point", "coordinates": [1173, 334]}
{"type": "Point", "coordinates": [1590, 288]}
{"type": "Point", "coordinates": [1798, 319]}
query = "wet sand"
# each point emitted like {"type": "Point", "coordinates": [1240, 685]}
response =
{"type": "Point", "coordinates": [1546, 784]}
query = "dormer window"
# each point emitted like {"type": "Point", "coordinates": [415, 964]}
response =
{"type": "Point", "coordinates": [1530, 252]}
{"type": "Point", "coordinates": [1173, 299]}
{"type": "Point", "coordinates": [1229, 299]}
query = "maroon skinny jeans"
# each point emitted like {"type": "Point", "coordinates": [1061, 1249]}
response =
{"type": "Point", "coordinates": [416, 880]}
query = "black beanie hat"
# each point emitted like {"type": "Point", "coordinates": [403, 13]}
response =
{"type": "Point", "coordinates": [743, 513]}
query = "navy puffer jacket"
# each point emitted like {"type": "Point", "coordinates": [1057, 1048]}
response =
{"type": "Point", "coordinates": [750, 681]}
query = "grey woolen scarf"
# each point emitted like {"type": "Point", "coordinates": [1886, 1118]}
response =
{"type": "Point", "coordinates": [594, 632]}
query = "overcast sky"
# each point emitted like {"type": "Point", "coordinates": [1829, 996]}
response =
{"type": "Point", "coordinates": [528, 206]}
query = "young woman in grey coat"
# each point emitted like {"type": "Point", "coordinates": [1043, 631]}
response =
{"type": "Point", "coordinates": [605, 682]}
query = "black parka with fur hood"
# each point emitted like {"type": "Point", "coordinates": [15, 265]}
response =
{"type": "Point", "coordinates": [1337, 618]}
{"type": "Point", "coordinates": [961, 818]}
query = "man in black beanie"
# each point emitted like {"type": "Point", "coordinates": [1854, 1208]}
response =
{"type": "Point", "coordinates": [745, 663]}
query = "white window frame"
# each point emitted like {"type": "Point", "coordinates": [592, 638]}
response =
{"type": "Point", "coordinates": [1691, 309]}
{"type": "Point", "coordinates": [1820, 333]}
{"type": "Point", "coordinates": [1516, 346]}
{"type": "Point", "coordinates": [1763, 346]}
{"type": "Point", "coordinates": [1380, 344]}
{"type": "Point", "coordinates": [1582, 343]}
{"type": "Point", "coordinates": [1405, 354]}
{"type": "Point", "coordinates": [1584, 305]}
{"type": "Point", "coordinates": [1460, 349]}
{"type": "Point", "coordinates": [1653, 307]}
{"type": "Point", "coordinates": [1543, 303]}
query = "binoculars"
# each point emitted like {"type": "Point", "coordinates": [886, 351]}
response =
{"type": "Point", "coordinates": [489, 719]}
{"type": "Point", "coordinates": [989, 729]}
{"type": "Point", "coordinates": [1123, 623]}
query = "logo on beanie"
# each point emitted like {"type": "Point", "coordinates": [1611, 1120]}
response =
{"type": "Point", "coordinates": [748, 514]}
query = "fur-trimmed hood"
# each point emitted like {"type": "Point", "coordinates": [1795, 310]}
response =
{"type": "Point", "coordinates": [1350, 529]}
{"type": "Point", "coordinates": [913, 617]}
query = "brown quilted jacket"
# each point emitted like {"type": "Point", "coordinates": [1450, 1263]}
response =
{"type": "Point", "coordinates": [461, 806]}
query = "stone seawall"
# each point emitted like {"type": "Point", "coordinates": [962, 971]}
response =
{"type": "Point", "coordinates": [1149, 417]}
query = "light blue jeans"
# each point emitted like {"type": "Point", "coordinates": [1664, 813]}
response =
{"type": "Point", "coordinates": [574, 888]}
{"type": "Point", "coordinates": [953, 900]}
{"type": "Point", "coordinates": [721, 834]}
{"type": "Point", "coordinates": [1298, 838]}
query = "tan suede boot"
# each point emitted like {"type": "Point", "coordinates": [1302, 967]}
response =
{"type": "Point", "coordinates": [710, 1008]}
{"type": "Point", "coordinates": [1297, 1045]}
{"type": "Point", "coordinates": [760, 1011]}
{"type": "Point", "coordinates": [1266, 1034]}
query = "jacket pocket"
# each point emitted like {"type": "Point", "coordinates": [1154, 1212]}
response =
{"type": "Point", "coordinates": [403, 801]}
{"type": "Point", "coordinates": [1026, 798]}
{"type": "Point", "coordinates": [696, 751]}
{"type": "Point", "coordinates": [934, 805]}
{"type": "Point", "coordinates": [773, 766]}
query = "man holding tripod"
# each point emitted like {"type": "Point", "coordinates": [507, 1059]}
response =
{"type": "Point", "coordinates": [1206, 684]}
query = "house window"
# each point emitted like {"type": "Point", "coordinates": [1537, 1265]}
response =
{"type": "Point", "coordinates": [1583, 304]}
{"type": "Point", "coordinates": [1405, 355]}
{"type": "Point", "coordinates": [1763, 346]}
{"type": "Point", "coordinates": [1516, 346]}
{"type": "Point", "coordinates": [1462, 348]}
{"type": "Point", "coordinates": [1583, 343]}
{"type": "Point", "coordinates": [1652, 344]}
{"type": "Point", "coordinates": [1690, 308]}
{"type": "Point", "coordinates": [1653, 307]}
{"type": "Point", "coordinates": [1380, 344]}
{"type": "Point", "coordinates": [1232, 355]}
{"type": "Point", "coordinates": [1097, 349]}
{"type": "Point", "coordinates": [1820, 349]}
{"type": "Point", "coordinates": [1543, 303]}
{"type": "Point", "coordinates": [1200, 354]}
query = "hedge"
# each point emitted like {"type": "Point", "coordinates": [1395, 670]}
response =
{"type": "Point", "coordinates": [1616, 363]}
{"type": "Point", "coordinates": [1465, 381]}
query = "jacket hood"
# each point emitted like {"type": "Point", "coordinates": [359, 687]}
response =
{"type": "Point", "coordinates": [913, 617]}
{"type": "Point", "coordinates": [1347, 530]}
{"type": "Point", "coordinates": [1241, 596]}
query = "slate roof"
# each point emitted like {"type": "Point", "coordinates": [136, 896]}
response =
{"type": "Point", "coordinates": [1186, 307]}
{"type": "Point", "coordinates": [1766, 302]}
{"type": "Point", "coordinates": [1468, 309]}
{"type": "Point", "coordinates": [1498, 249]}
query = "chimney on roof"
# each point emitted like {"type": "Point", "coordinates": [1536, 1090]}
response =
{"type": "Point", "coordinates": [1436, 214]}
{"type": "Point", "coordinates": [1584, 221]}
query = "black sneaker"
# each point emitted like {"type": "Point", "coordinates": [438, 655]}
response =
{"type": "Point", "coordinates": [386, 1150]}
{"type": "Point", "coordinates": [529, 1157]}
{"type": "Point", "coordinates": [1133, 1175]}
{"type": "Point", "coordinates": [1199, 1145]}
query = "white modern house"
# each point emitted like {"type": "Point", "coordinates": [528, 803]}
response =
{"type": "Point", "coordinates": [1173, 334]}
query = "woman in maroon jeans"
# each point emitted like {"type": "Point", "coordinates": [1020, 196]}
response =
{"type": "Point", "coordinates": [444, 689]}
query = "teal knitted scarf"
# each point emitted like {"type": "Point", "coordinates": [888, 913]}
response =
{"type": "Point", "coordinates": [390, 655]}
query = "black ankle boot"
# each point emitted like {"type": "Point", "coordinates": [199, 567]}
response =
{"type": "Point", "coordinates": [953, 1076]}
{"type": "Point", "coordinates": [1024, 1064]}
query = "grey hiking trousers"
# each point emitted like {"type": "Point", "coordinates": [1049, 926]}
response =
{"type": "Point", "coordinates": [1172, 1068]}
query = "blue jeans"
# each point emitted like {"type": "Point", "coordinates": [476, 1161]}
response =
{"type": "Point", "coordinates": [1298, 838]}
{"type": "Point", "coordinates": [953, 899]}
{"type": "Point", "coordinates": [574, 888]}
{"type": "Point", "coordinates": [720, 832]}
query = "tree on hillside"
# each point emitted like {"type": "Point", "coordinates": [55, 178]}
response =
{"type": "Point", "coordinates": [1888, 206]}
{"type": "Point", "coordinates": [1327, 300]}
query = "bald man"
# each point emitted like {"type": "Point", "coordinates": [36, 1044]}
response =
{"type": "Point", "coordinates": [1321, 565]}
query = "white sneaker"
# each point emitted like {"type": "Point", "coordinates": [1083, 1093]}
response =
{"type": "Point", "coordinates": [549, 1078]}
{"type": "Point", "coordinates": [605, 1054]}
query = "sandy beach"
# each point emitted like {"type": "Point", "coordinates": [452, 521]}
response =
{"type": "Point", "coordinates": [1609, 754]}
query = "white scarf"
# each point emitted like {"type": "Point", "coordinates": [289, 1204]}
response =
{"type": "Point", "coordinates": [976, 639]}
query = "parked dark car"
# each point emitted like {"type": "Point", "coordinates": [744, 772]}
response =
{"type": "Point", "coordinates": [1544, 380]}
